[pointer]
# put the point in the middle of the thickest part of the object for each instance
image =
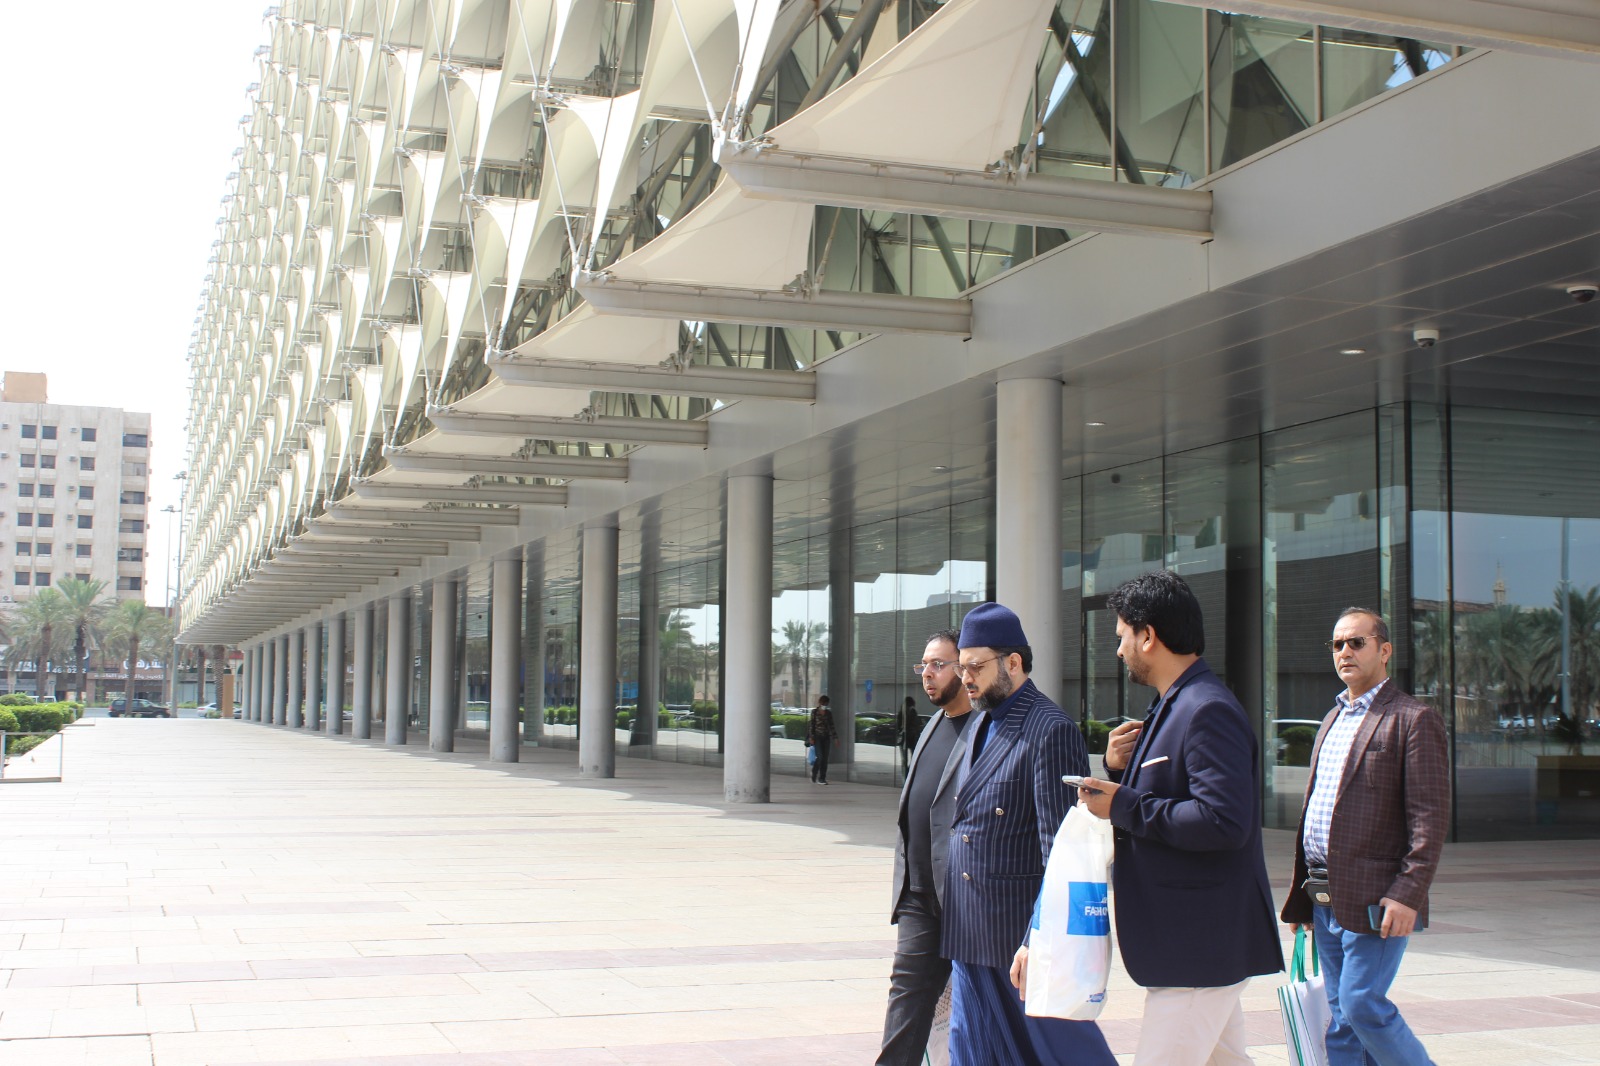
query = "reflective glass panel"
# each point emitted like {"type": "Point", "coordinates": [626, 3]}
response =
{"type": "Point", "coordinates": [1320, 554]}
{"type": "Point", "coordinates": [1160, 92]}
{"type": "Point", "coordinates": [1263, 84]}
{"type": "Point", "coordinates": [1122, 538]}
{"type": "Point", "coordinates": [1526, 574]}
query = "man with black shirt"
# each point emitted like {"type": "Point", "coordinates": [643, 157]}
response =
{"type": "Point", "coordinates": [927, 803]}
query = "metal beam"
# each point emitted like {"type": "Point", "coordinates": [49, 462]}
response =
{"type": "Point", "coordinates": [339, 553]}
{"type": "Point", "coordinates": [448, 530]}
{"type": "Point", "coordinates": [555, 495]}
{"type": "Point", "coordinates": [563, 466]}
{"type": "Point", "coordinates": [766, 172]}
{"type": "Point", "coordinates": [306, 564]}
{"type": "Point", "coordinates": [601, 429]}
{"type": "Point", "coordinates": [849, 312]}
{"type": "Point", "coordinates": [382, 546]}
{"type": "Point", "coordinates": [1561, 28]}
{"type": "Point", "coordinates": [478, 516]}
{"type": "Point", "coordinates": [693, 380]}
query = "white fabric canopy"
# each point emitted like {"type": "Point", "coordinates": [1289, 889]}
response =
{"type": "Point", "coordinates": [587, 334]}
{"type": "Point", "coordinates": [951, 94]}
{"type": "Point", "coordinates": [727, 241]}
{"type": "Point", "coordinates": [499, 398]}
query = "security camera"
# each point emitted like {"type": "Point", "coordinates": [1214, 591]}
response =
{"type": "Point", "coordinates": [1425, 338]}
{"type": "Point", "coordinates": [1583, 293]}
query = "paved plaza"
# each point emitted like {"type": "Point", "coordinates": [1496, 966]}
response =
{"type": "Point", "coordinates": [200, 893]}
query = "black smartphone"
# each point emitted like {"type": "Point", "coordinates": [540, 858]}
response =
{"type": "Point", "coordinates": [1375, 917]}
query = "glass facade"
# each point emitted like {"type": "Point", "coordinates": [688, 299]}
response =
{"type": "Point", "coordinates": [1489, 578]}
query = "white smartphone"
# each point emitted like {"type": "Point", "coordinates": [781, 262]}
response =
{"type": "Point", "coordinates": [1076, 781]}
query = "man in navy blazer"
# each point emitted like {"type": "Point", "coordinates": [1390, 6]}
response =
{"type": "Point", "coordinates": [1008, 806]}
{"type": "Point", "coordinates": [1194, 909]}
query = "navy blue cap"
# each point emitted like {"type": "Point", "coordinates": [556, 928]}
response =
{"type": "Point", "coordinates": [990, 625]}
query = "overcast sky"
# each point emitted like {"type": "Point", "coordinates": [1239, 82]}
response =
{"type": "Point", "coordinates": [122, 123]}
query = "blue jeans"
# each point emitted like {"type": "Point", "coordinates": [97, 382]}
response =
{"type": "Point", "coordinates": [1357, 970]}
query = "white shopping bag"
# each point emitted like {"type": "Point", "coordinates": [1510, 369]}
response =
{"type": "Point", "coordinates": [1304, 1004]}
{"type": "Point", "coordinates": [1069, 947]}
{"type": "Point", "coordinates": [938, 1053]}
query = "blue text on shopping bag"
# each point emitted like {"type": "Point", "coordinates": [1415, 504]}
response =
{"type": "Point", "coordinates": [1089, 914]}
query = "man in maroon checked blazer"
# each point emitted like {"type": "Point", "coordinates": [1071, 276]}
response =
{"type": "Point", "coordinates": [1376, 812]}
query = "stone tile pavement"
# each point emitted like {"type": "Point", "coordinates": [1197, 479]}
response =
{"type": "Point", "coordinates": [218, 893]}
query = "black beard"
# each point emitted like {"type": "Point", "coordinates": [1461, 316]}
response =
{"type": "Point", "coordinates": [1137, 674]}
{"type": "Point", "coordinates": [948, 693]}
{"type": "Point", "coordinates": [995, 694]}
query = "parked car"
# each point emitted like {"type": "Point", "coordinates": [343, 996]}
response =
{"type": "Point", "coordinates": [120, 708]}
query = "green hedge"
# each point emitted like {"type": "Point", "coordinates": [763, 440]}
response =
{"type": "Point", "coordinates": [1098, 732]}
{"type": "Point", "coordinates": [44, 718]}
{"type": "Point", "coordinates": [17, 699]}
{"type": "Point", "coordinates": [1297, 743]}
{"type": "Point", "coordinates": [794, 725]}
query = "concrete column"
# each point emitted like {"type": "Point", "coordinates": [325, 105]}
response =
{"type": "Point", "coordinates": [380, 665]}
{"type": "Point", "coordinates": [397, 690]}
{"type": "Point", "coordinates": [361, 690]}
{"type": "Point", "coordinates": [841, 683]}
{"type": "Point", "coordinates": [297, 678]}
{"type": "Point", "coordinates": [442, 675]}
{"type": "Point", "coordinates": [258, 689]}
{"type": "Point", "coordinates": [313, 654]}
{"type": "Point", "coordinates": [597, 654]}
{"type": "Point", "coordinates": [280, 680]}
{"type": "Point", "coordinates": [1028, 517]}
{"type": "Point", "coordinates": [533, 644]}
{"type": "Point", "coordinates": [334, 717]}
{"type": "Point", "coordinates": [747, 641]}
{"type": "Point", "coordinates": [250, 684]}
{"type": "Point", "coordinates": [264, 682]}
{"type": "Point", "coordinates": [505, 658]}
{"type": "Point", "coordinates": [247, 710]}
{"type": "Point", "coordinates": [646, 719]}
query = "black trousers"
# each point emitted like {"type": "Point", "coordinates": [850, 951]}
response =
{"type": "Point", "coordinates": [819, 769]}
{"type": "Point", "coordinates": [916, 982]}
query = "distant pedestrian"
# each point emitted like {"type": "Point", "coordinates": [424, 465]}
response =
{"type": "Point", "coordinates": [909, 728]}
{"type": "Point", "coordinates": [821, 736]}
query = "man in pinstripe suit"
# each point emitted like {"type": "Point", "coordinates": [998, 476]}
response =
{"type": "Point", "coordinates": [1008, 807]}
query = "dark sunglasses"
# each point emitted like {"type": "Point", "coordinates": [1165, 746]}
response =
{"type": "Point", "coordinates": [1355, 642]}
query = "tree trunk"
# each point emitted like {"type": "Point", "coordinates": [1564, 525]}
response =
{"type": "Point", "coordinates": [133, 664]}
{"type": "Point", "coordinates": [43, 664]}
{"type": "Point", "coordinates": [83, 665]}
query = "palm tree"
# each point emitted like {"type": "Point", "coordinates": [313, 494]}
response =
{"type": "Point", "coordinates": [85, 613]}
{"type": "Point", "coordinates": [132, 624]}
{"type": "Point", "coordinates": [801, 643]}
{"type": "Point", "coordinates": [38, 627]}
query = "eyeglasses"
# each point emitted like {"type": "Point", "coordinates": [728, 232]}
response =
{"type": "Point", "coordinates": [968, 669]}
{"type": "Point", "coordinates": [1356, 643]}
{"type": "Point", "coordinates": [932, 666]}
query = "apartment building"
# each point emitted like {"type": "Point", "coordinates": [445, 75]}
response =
{"type": "Point", "coordinates": [74, 492]}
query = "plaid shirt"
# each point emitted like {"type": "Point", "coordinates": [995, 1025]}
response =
{"type": "Point", "coordinates": [1330, 771]}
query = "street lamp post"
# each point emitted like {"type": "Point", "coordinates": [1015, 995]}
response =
{"type": "Point", "coordinates": [172, 613]}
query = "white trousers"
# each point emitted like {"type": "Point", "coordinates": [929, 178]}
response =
{"type": "Point", "coordinates": [1192, 1027]}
